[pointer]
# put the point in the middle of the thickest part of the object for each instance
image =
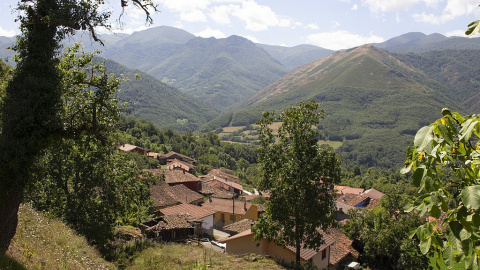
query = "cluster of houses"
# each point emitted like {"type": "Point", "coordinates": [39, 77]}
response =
{"type": "Point", "coordinates": [188, 206]}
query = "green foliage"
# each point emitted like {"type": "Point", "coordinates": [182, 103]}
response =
{"type": "Point", "coordinates": [383, 239]}
{"type": "Point", "coordinates": [79, 178]}
{"type": "Point", "coordinates": [293, 166]}
{"type": "Point", "coordinates": [444, 160]}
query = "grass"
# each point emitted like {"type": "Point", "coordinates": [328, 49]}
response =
{"type": "Point", "coordinates": [180, 256]}
{"type": "Point", "coordinates": [232, 129]}
{"type": "Point", "coordinates": [44, 243]}
{"type": "Point", "coordinates": [333, 144]}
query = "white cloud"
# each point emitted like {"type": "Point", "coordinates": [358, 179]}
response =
{"type": "Point", "coordinates": [335, 24]}
{"type": "Point", "coordinates": [257, 17]}
{"type": "Point", "coordinates": [251, 38]}
{"type": "Point", "coordinates": [399, 5]}
{"type": "Point", "coordinates": [354, 7]}
{"type": "Point", "coordinates": [185, 5]}
{"type": "Point", "coordinates": [341, 39]}
{"type": "Point", "coordinates": [312, 26]}
{"type": "Point", "coordinates": [193, 16]}
{"type": "Point", "coordinates": [207, 33]}
{"type": "Point", "coordinates": [455, 33]}
{"type": "Point", "coordinates": [453, 9]}
{"type": "Point", "coordinates": [219, 14]}
{"type": "Point", "coordinates": [7, 33]}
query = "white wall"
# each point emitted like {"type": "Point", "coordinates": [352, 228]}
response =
{"type": "Point", "coordinates": [207, 225]}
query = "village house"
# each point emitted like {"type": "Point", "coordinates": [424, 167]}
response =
{"type": "Point", "coordinates": [175, 227]}
{"type": "Point", "coordinates": [201, 213]}
{"type": "Point", "coordinates": [164, 195]}
{"type": "Point", "coordinates": [230, 211]}
{"type": "Point", "coordinates": [132, 148]}
{"type": "Point", "coordinates": [336, 252]}
{"type": "Point", "coordinates": [176, 177]}
{"type": "Point", "coordinates": [181, 166]}
{"type": "Point", "coordinates": [369, 199]}
{"type": "Point", "coordinates": [170, 156]}
{"type": "Point", "coordinates": [214, 192]}
{"type": "Point", "coordinates": [225, 174]}
{"type": "Point", "coordinates": [221, 183]}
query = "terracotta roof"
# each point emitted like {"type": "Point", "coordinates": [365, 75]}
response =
{"type": "Point", "coordinates": [216, 192]}
{"type": "Point", "coordinates": [129, 147]}
{"type": "Point", "coordinates": [155, 171]}
{"type": "Point", "coordinates": [348, 190]}
{"type": "Point", "coordinates": [374, 194]}
{"type": "Point", "coordinates": [222, 205]}
{"type": "Point", "coordinates": [239, 226]}
{"type": "Point", "coordinates": [175, 176]}
{"type": "Point", "coordinates": [193, 210]}
{"type": "Point", "coordinates": [225, 174]}
{"type": "Point", "coordinates": [175, 221]}
{"type": "Point", "coordinates": [240, 235]}
{"type": "Point", "coordinates": [185, 195]}
{"type": "Point", "coordinates": [308, 253]}
{"type": "Point", "coordinates": [342, 246]}
{"type": "Point", "coordinates": [178, 163]}
{"type": "Point", "coordinates": [162, 195]}
{"type": "Point", "coordinates": [172, 154]}
{"type": "Point", "coordinates": [222, 183]}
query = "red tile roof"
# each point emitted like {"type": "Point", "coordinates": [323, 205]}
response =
{"type": "Point", "coordinates": [175, 221]}
{"type": "Point", "coordinates": [225, 174]}
{"type": "Point", "coordinates": [193, 210]}
{"type": "Point", "coordinates": [185, 195]}
{"type": "Point", "coordinates": [239, 226]}
{"type": "Point", "coordinates": [180, 164]}
{"type": "Point", "coordinates": [161, 194]}
{"type": "Point", "coordinates": [348, 190]}
{"type": "Point", "coordinates": [222, 205]}
{"type": "Point", "coordinates": [175, 176]}
{"type": "Point", "coordinates": [342, 246]}
{"type": "Point", "coordinates": [308, 253]}
{"type": "Point", "coordinates": [374, 194]}
{"type": "Point", "coordinates": [215, 192]}
{"type": "Point", "coordinates": [172, 155]}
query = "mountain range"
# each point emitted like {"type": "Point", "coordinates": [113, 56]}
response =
{"type": "Point", "coordinates": [374, 93]}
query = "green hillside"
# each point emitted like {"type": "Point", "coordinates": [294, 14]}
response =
{"type": "Point", "coordinates": [159, 103]}
{"type": "Point", "coordinates": [457, 70]}
{"type": "Point", "coordinates": [374, 103]}
{"type": "Point", "coordinates": [219, 71]}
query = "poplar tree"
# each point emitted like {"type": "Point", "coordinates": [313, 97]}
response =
{"type": "Point", "coordinates": [298, 174]}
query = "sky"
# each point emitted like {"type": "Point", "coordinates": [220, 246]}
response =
{"type": "Point", "coordinates": [330, 24]}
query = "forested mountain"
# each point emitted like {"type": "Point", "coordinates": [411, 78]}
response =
{"type": "Point", "coordinates": [458, 70]}
{"type": "Point", "coordinates": [374, 102]}
{"type": "Point", "coordinates": [159, 103]}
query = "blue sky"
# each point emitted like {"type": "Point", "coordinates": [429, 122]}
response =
{"type": "Point", "coordinates": [331, 24]}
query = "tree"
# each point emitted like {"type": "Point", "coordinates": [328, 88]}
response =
{"type": "Point", "coordinates": [79, 178]}
{"type": "Point", "coordinates": [31, 109]}
{"type": "Point", "coordinates": [298, 175]}
{"type": "Point", "coordinates": [445, 160]}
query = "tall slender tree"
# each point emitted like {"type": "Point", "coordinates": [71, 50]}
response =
{"type": "Point", "coordinates": [30, 114]}
{"type": "Point", "coordinates": [298, 175]}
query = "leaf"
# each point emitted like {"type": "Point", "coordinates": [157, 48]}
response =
{"type": "Point", "coordinates": [435, 211]}
{"type": "Point", "coordinates": [425, 245]}
{"type": "Point", "coordinates": [444, 132]}
{"type": "Point", "coordinates": [423, 138]}
{"type": "Point", "coordinates": [470, 196]}
{"type": "Point", "coordinates": [418, 175]}
{"type": "Point", "coordinates": [467, 130]}
{"type": "Point", "coordinates": [472, 28]}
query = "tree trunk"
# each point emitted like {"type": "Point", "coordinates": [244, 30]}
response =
{"type": "Point", "coordinates": [297, 253]}
{"type": "Point", "coordinates": [9, 217]}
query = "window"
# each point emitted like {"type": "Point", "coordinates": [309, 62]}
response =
{"type": "Point", "coordinates": [324, 254]}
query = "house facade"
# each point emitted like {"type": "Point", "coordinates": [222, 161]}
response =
{"type": "Point", "coordinates": [243, 244]}
{"type": "Point", "coordinates": [230, 211]}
